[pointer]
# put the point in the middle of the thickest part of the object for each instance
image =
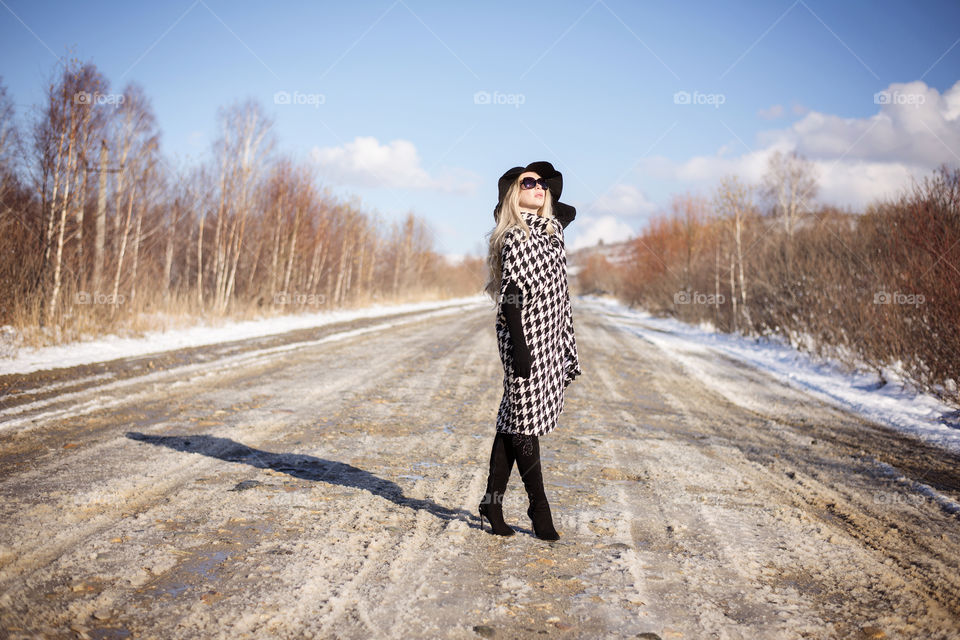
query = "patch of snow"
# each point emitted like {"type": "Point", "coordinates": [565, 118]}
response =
{"type": "Point", "coordinates": [896, 403]}
{"type": "Point", "coordinates": [112, 347]}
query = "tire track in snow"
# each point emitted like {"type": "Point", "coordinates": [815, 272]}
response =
{"type": "Point", "coordinates": [185, 473]}
{"type": "Point", "coordinates": [397, 582]}
{"type": "Point", "coordinates": [775, 459]}
{"type": "Point", "coordinates": [641, 447]}
{"type": "Point", "coordinates": [345, 582]}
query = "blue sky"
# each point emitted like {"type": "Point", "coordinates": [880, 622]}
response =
{"type": "Point", "coordinates": [388, 98]}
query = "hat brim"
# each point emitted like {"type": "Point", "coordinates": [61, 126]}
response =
{"type": "Point", "coordinates": [545, 170]}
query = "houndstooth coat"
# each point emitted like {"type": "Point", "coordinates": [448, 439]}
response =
{"type": "Point", "coordinates": [538, 266]}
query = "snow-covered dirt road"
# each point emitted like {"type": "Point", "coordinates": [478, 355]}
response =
{"type": "Point", "coordinates": [325, 485]}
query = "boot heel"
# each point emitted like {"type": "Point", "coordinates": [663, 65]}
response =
{"type": "Point", "coordinates": [542, 522]}
{"type": "Point", "coordinates": [494, 516]}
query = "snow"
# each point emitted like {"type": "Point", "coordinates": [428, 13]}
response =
{"type": "Point", "coordinates": [111, 347]}
{"type": "Point", "coordinates": [895, 404]}
{"type": "Point", "coordinates": [364, 461]}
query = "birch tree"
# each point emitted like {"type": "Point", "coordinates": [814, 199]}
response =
{"type": "Point", "coordinates": [138, 142]}
{"type": "Point", "coordinates": [733, 201]}
{"type": "Point", "coordinates": [789, 183]}
{"type": "Point", "coordinates": [243, 150]}
{"type": "Point", "coordinates": [61, 141]}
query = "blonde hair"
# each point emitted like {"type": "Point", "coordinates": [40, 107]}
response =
{"type": "Point", "coordinates": [508, 217]}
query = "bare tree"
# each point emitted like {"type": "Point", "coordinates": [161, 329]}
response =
{"type": "Point", "coordinates": [10, 142]}
{"type": "Point", "coordinates": [138, 141]}
{"type": "Point", "coordinates": [69, 119]}
{"type": "Point", "coordinates": [243, 150]}
{"type": "Point", "coordinates": [790, 182]}
{"type": "Point", "coordinates": [691, 212]}
{"type": "Point", "coordinates": [733, 200]}
{"type": "Point", "coordinates": [100, 229]}
{"type": "Point", "coordinates": [101, 209]}
{"type": "Point", "coordinates": [346, 246]}
{"type": "Point", "coordinates": [320, 252]}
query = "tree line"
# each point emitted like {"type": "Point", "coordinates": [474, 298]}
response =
{"type": "Point", "coordinates": [100, 233]}
{"type": "Point", "coordinates": [879, 287]}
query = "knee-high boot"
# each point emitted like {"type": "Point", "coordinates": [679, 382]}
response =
{"type": "Point", "coordinates": [526, 450]}
{"type": "Point", "coordinates": [491, 507]}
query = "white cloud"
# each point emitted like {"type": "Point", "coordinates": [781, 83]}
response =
{"type": "Point", "coordinates": [367, 163]}
{"type": "Point", "coordinates": [707, 171]}
{"type": "Point", "coordinates": [859, 160]}
{"type": "Point", "coordinates": [856, 184]}
{"type": "Point", "coordinates": [847, 183]}
{"type": "Point", "coordinates": [590, 230]}
{"type": "Point", "coordinates": [623, 200]}
{"type": "Point", "coordinates": [620, 201]}
{"type": "Point", "coordinates": [915, 125]}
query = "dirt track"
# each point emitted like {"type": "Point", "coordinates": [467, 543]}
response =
{"type": "Point", "coordinates": [324, 487]}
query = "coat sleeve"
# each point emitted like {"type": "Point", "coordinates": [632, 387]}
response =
{"type": "Point", "coordinates": [512, 308]}
{"type": "Point", "coordinates": [565, 213]}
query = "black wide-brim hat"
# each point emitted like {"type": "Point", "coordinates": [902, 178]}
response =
{"type": "Point", "coordinates": [545, 170]}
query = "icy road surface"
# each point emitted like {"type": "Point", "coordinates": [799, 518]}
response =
{"type": "Point", "coordinates": [324, 484]}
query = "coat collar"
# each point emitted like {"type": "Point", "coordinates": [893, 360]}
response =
{"type": "Point", "coordinates": [534, 221]}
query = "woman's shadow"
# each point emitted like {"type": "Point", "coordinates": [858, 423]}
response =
{"type": "Point", "coordinates": [301, 466]}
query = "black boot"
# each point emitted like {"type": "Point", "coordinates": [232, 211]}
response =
{"type": "Point", "coordinates": [491, 507]}
{"type": "Point", "coordinates": [526, 450]}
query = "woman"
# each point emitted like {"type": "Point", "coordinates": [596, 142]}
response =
{"type": "Point", "coordinates": [535, 338]}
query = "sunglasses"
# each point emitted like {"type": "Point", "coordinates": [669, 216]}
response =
{"type": "Point", "coordinates": [529, 183]}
